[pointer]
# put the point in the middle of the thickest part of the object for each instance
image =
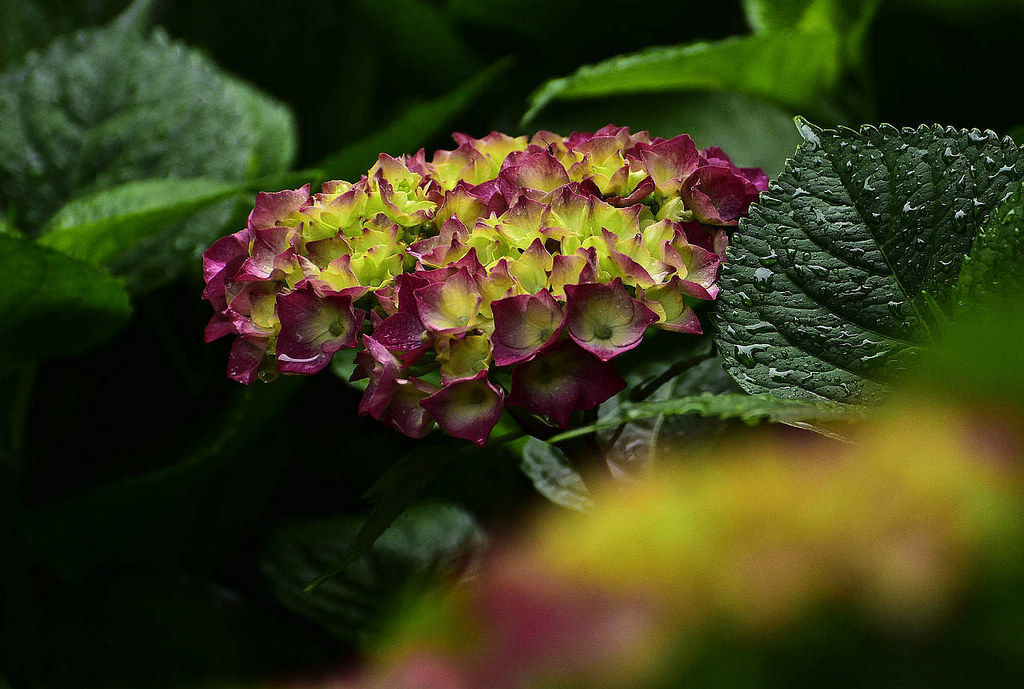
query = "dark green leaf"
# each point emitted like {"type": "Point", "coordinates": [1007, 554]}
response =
{"type": "Point", "coordinates": [995, 267]}
{"type": "Point", "coordinates": [406, 23]}
{"type": "Point", "coordinates": [53, 305]}
{"type": "Point", "coordinates": [980, 366]}
{"type": "Point", "coordinates": [6, 227]}
{"type": "Point", "coordinates": [428, 544]}
{"type": "Point", "coordinates": [751, 409]}
{"type": "Point", "coordinates": [417, 126]}
{"type": "Point", "coordinates": [789, 66]}
{"type": "Point", "coordinates": [675, 431]}
{"type": "Point", "coordinates": [275, 141]}
{"type": "Point", "coordinates": [343, 365]}
{"type": "Point", "coordinates": [822, 293]}
{"type": "Point", "coordinates": [107, 106]}
{"type": "Point", "coordinates": [553, 476]}
{"type": "Point", "coordinates": [101, 226]}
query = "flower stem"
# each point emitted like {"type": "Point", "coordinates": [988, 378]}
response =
{"type": "Point", "coordinates": [643, 391]}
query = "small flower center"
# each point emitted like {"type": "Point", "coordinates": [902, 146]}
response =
{"type": "Point", "coordinates": [602, 331]}
{"type": "Point", "coordinates": [336, 328]}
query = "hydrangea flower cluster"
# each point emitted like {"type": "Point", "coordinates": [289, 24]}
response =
{"type": "Point", "coordinates": [543, 257]}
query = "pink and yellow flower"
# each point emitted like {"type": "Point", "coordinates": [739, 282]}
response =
{"type": "Point", "coordinates": [546, 257]}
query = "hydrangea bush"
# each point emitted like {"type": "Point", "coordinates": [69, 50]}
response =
{"type": "Point", "coordinates": [542, 258]}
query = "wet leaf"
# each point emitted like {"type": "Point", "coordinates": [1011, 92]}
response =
{"type": "Point", "coordinates": [102, 107]}
{"type": "Point", "coordinates": [995, 267]}
{"type": "Point", "coordinates": [822, 295]}
{"type": "Point", "coordinates": [751, 409]}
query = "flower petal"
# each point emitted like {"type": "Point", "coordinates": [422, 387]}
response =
{"type": "Point", "coordinates": [467, 408]}
{"type": "Point", "coordinates": [272, 207]}
{"type": "Point", "coordinates": [524, 325]}
{"type": "Point", "coordinates": [313, 328]}
{"type": "Point", "coordinates": [563, 380]}
{"type": "Point", "coordinates": [717, 195]}
{"type": "Point", "coordinates": [604, 319]}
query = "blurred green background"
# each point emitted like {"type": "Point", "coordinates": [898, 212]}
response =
{"type": "Point", "coordinates": [148, 503]}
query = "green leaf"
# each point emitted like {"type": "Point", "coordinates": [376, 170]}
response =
{"type": "Point", "coordinates": [101, 226]}
{"type": "Point", "coordinates": [417, 126]}
{"type": "Point", "coordinates": [751, 409]}
{"type": "Point", "coordinates": [994, 270]}
{"type": "Point", "coordinates": [980, 366]}
{"type": "Point", "coordinates": [103, 107]}
{"type": "Point", "coordinates": [553, 476]}
{"type": "Point", "coordinates": [275, 138]}
{"type": "Point", "coordinates": [822, 293]}
{"type": "Point", "coordinates": [7, 227]}
{"type": "Point", "coordinates": [852, 18]}
{"type": "Point", "coordinates": [789, 66]}
{"type": "Point", "coordinates": [53, 305]}
{"type": "Point", "coordinates": [427, 545]}
{"type": "Point", "coordinates": [343, 365]}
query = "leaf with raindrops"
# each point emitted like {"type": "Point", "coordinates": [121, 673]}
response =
{"type": "Point", "coordinates": [995, 268]}
{"type": "Point", "coordinates": [831, 282]}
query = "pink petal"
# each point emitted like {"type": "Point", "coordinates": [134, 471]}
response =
{"type": "Point", "coordinates": [313, 328]}
{"type": "Point", "coordinates": [604, 319]}
{"type": "Point", "coordinates": [717, 195]}
{"type": "Point", "coordinates": [524, 325]}
{"type": "Point", "coordinates": [467, 408]}
{"type": "Point", "coordinates": [272, 207]}
{"type": "Point", "coordinates": [563, 380]}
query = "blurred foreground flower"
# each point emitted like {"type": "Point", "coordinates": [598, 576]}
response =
{"type": "Point", "coordinates": [547, 255]}
{"type": "Point", "coordinates": [896, 561]}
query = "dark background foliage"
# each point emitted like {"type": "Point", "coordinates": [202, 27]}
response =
{"type": "Point", "coordinates": [141, 487]}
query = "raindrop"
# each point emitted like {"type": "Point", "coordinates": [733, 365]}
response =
{"type": "Point", "coordinates": [745, 353]}
{"type": "Point", "coordinates": [819, 271]}
{"type": "Point", "coordinates": [763, 279]}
